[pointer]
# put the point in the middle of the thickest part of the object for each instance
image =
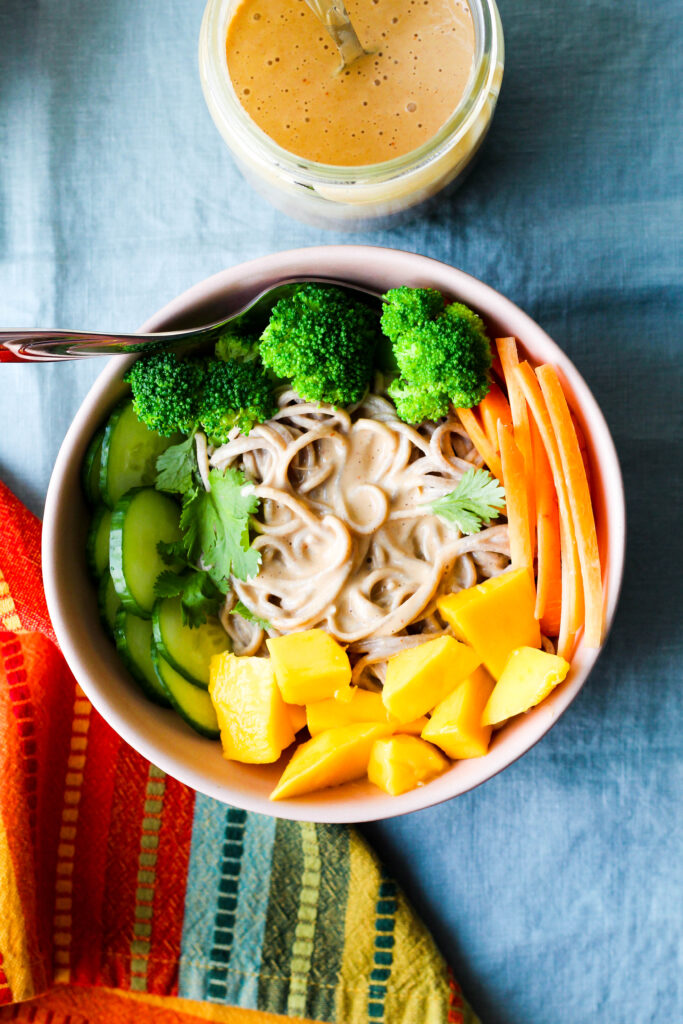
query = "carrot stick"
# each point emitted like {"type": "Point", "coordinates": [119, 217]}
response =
{"type": "Point", "coordinates": [572, 593]}
{"type": "Point", "coordinates": [507, 351]}
{"type": "Point", "coordinates": [583, 447]}
{"type": "Point", "coordinates": [481, 441]}
{"type": "Point", "coordinates": [549, 573]}
{"type": "Point", "coordinates": [514, 481]}
{"type": "Point", "coordinates": [497, 368]}
{"type": "Point", "coordinates": [579, 500]}
{"type": "Point", "coordinates": [491, 409]}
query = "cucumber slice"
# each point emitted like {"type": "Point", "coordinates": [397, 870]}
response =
{"type": "Point", "coordinates": [140, 520]}
{"type": "Point", "coordinates": [192, 703]}
{"type": "Point", "coordinates": [90, 470]}
{"type": "Point", "coordinates": [129, 453]}
{"type": "Point", "coordinates": [97, 545]}
{"type": "Point", "coordinates": [133, 638]}
{"type": "Point", "coordinates": [108, 601]}
{"type": "Point", "coordinates": [188, 650]}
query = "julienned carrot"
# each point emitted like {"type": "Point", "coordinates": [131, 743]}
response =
{"type": "Point", "coordinates": [496, 367]}
{"type": "Point", "coordinates": [582, 446]}
{"type": "Point", "coordinates": [515, 484]}
{"type": "Point", "coordinates": [572, 592]}
{"type": "Point", "coordinates": [491, 409]}
{"type": "Point", "coordinates": [579, 500]}
{"type": "Point", "coordinates": [509, 358]}
{"type": "Point", "coordinates": [549, 571]}
{"type": "Point", "coordinates": [480, 441]}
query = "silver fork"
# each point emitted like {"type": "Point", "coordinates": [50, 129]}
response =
{"type": "Point", "coordinates": [34, 346]}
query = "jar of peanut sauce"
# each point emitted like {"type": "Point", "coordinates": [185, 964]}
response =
{"type": "Point", "coordinates": [319, 143]}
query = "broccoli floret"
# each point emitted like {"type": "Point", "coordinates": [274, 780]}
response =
{"type": "Point", "coordinates": [172, 394]}
{"type": "Point", "coordinates": [415, 404]}
{"type": "Point", "coordinates": [237, 343]}
{"type": "Point", "coordinates": [406, 308]}
{"type": "Point", "coordinates": [234, 395]}
{"type": "Point", "coordinates": [166, 392]}
{"type": "Point", "coordinates": [446, 354]}
{"type": "Point", "coordinates": [323, 341]}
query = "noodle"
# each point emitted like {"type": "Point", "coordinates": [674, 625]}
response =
{"type": "Point", "coordinates": [346, 540]}
{"type": "Point", "coordinates": [202, 459]}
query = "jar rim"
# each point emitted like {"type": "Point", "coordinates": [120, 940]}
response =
{"type": "Point", "coordinates": [218, 87]}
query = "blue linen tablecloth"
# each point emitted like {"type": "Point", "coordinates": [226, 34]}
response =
{"type": "Point", "coordinates": [556, 888]}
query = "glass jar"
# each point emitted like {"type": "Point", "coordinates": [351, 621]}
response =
{"type": "Point", "coordinates": [351, 197]}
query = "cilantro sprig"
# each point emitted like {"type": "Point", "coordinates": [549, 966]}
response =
{"type": "Point", "coordinates": [177, 467]}
{"type": "Point", "coordinates": [199, 596]}
{"type": "Point", "coordinates": [476, 500]}
{"type": "Point", "coordinates": [246, 613]}
{"type": "Point", "coordinates": [215, 542]}
{"type": "Point", "coordinates": [215, 526]}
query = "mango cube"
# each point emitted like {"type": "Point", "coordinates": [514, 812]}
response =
{"type": "Point", "coordinates": [420, 677]}
{"type": "Point", "coordinates": [253, 719]}
{"type": "Point", "coordinates": [363, 706]}
{"type": "Point", "coordinates": [455, 723]}
{"type": "Point", "coordinates": [329, 759]}
{"type": "Point", "coordinates": [495, 617]}
{"type": "Point", "coordinates": [400, 763]}
{"type": "Point", "coordinates": [297, 716]}
{"type": "Point", "coordinates": [309, 666]}
{"type": "Point", "coordinates": [527, 679]}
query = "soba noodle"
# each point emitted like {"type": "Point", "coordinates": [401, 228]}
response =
{"type": "Point", "coordinates": [346, 540]}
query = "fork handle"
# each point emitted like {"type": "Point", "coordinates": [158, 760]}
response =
{"type": "Point", "coordinates": [50, 346]}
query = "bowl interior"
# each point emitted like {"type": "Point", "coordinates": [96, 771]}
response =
{"type": "Point", "coordinates": [160, 735]}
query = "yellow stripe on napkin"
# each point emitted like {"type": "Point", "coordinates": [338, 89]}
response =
{"type": "Point", "coordinates": [16, 960]}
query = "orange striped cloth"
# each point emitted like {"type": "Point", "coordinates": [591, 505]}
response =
{"type": "Point", "coordinates": [127, 897]}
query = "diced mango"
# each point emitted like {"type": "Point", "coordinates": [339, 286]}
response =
{"type": "Point", "coordinates": [420, 677]}
{"type": "Point", "coordinates": [400, 763]}
{"type": "Point", "coordinates": [329, 759]}
{"type": "Point", "coordinates": [413, 728]}
{"type": "Point", "coordinates": [363, 706]}
{"type": "Point", "coordinates": [495, 617]}
{"type": "Point", "coordinates": [527, 679]}
{"type": "Point", "coordinates": [297, 716]}
{"type": "Point", "coordinates": [309, 666]}
{"type": "Point", "coordinates": [455, 723]}
{"type": "Point", "coordinates": [252, 716]}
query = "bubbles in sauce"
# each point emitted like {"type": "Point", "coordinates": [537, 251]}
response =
{"type": "Point", "coordinates": [283, 68]}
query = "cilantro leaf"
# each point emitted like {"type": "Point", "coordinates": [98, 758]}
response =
{"type": "Point", "coordinates": [172, 552]}
{"type": "Point", "coordinates": [476, 500]}
{"type": "Point", "coordinates": [215, 527]}
{"type": "Point", "coordinates": [246, 613]}
{"type": "Point", "coordinates": [176, 467]}
{"type": "Point", "coordinates": [169, 584]}
{"type": "Point", "coordinates": [200, 599]}
{"type": "Point", "coordinates": [199, 595]}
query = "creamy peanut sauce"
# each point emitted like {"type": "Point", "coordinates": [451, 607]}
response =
{"type": "Point", "coordinates": [283, 67]}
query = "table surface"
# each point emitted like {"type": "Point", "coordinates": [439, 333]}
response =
{"type": "Point", "coordinates": [555, 889]}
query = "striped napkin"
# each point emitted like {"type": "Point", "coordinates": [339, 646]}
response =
{"type": "Point", "coordinates": [127, 897]}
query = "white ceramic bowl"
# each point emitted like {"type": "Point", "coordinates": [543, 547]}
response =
{"type": "Point", "coordinates": [160, 735]}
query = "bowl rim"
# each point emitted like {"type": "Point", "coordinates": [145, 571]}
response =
{"type": "Point", "coordinates": [343, 805]}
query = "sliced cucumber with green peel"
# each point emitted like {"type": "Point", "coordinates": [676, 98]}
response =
{"type": "Point", "coordinates": [133, 637]}
{"type": "Point", "coordinates": [97, 544]}
{"type": "Point", "coordinates": [140, 520]}
{"type": "Point", "coordinates": [108, 601]}
{"type": "Point", "coordinates": [129, 453]}
{"type": "Point", "coordinates": [90, 470]}
{"type": "Point", "coordinates": [187, 649]}
{"type": "Point", "coordinates": [190, 701]}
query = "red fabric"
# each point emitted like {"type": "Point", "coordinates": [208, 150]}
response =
{"type": "Point", "coordinates": [20, 564]}
{"type": "Point", "coordinates": [73, 805]}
